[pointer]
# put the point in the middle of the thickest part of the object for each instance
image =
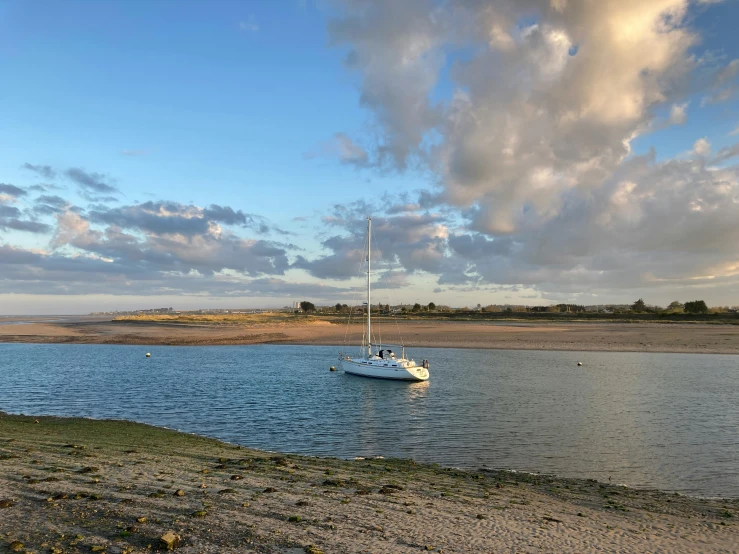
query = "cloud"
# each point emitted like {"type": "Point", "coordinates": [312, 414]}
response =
{"type": "Point", "coordinates": [653, 225]}
{"type": "Point", "coordinates": [249, 25]}
{"type": "Point", "coordinates": [652, 228]}
{"type": "Point", "coordinates": [142, 248]}
{"type": "Point", "coordinates": [227, 215]}
{"type": "Point", "coordinates": [176, 218]}
{"type": "Point", "coordinates": [168, 236]}
{"type": "Point", "coordinates": [43, 170]}
{"type": "Point", "coordinates": [90, 182]}
{"type": "Point", "coordinates": [134, 152]}
{"type": "Point", "coordinates": [538, 112]}
{"type": "Point", "coordinates": [43, 187]}
{"type": "Point", "coordinates": [678, 114]}
{"type": "Point", "coordinates": [395, 48]}
{"type": "Point", "coordinates": [393, 280]}
{"type": "Point", "coordinates": [702, 147]}
{"type": "Point", "coordinates": [11, 217]}
{"type": "Point", "coordinates": [477, 246]}
{"type": "Point", "coordinates": [154, 217]}
{"type": "Point", "coordinates": [29, 272]}
{"type": "Point", "coordinates": [725, 83]}
{"type": "Point", "coordinates": [150, 248]}
{"type": "Point", "coordinates": [342, 147]}
{"type": "Point", "coordinates": [100, 199]}
{"type": "Point", "coordinates": [725, 154]}
{"type": "Point", "coordinates": [532, 145]}
{"type": "Point", "coordinates": [349, 152]}
{"type": "Point", "coordinates": [12, 190]}
{"type": "Point", "coordinates": [521, 115]}
{"type": "Point", "coordinates": [413, 242]}
{"type": "Point", "coordinates": [50, 204]}
{"type": "Point", "coordinates": [25, 225]}
{"type": "Point", "coordinates": [9, 211]}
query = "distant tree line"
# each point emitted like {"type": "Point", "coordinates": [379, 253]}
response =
{"type": "Point", "coordinates": [697, 307]}
{"type": "Point", "coordinates": [675, 307]}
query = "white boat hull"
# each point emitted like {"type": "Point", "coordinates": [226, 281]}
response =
{"type": "Point", "coordinates": [382, 371]}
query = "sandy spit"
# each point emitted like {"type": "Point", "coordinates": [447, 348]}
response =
{"type": "Point", "coordinates": [77, 485]}
{"type": "Point", "coordinates": [590, 336]}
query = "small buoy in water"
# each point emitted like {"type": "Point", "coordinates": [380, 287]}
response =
{"type": "Point", "coordinates": [579, 363]}
{"type": "Point", "coordinates": [148, 355]}
{"type": "Point", "coordinates": [332, 368]}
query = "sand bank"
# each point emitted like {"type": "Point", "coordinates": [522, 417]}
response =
{"type": "Point", "coordinates": [618, 337]}
{"type": "Point", "coordinates": [73, 485]}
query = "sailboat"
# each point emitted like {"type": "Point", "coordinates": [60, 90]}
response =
{"type": "Point", "coordinates": [376, 361]}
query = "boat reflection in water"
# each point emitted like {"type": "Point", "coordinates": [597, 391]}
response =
{"type": "Point", "coordinates": [384, 405]}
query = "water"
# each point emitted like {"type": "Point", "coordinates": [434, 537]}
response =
{"type": "Point", "coordinates": [669, 421]}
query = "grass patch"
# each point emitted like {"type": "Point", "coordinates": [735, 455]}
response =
{"type": "Point", "coordinates": [251, 320]}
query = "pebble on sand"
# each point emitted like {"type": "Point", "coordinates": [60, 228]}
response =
{"type": "Point", "coordinates": [169, 540]}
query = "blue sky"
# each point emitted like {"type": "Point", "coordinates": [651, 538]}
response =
{"type": "Point", "coordinates": [297, 112]}
{"type": "Point", "coordinates": [201, 98]}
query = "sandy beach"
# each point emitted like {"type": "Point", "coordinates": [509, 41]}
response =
{"type": "Point", "coordinates": [76, 485]}
{"type": "Point", "coordinates": [575, 336]}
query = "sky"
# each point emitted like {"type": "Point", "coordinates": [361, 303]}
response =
{"type": "Point", "coordinates": [226, 154]}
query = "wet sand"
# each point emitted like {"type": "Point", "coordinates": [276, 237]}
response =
{"type": "Point", "coordinates": [76, 485]}
{"type": "Point", "coordinates": [575, 336]}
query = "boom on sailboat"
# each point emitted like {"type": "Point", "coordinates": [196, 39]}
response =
{"type": "Point", "coordinates": [382, 363]}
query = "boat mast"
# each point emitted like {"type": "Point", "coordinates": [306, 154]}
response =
{"type": "Point", "coordinates": [369, 299]}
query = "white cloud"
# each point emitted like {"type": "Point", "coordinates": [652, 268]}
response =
{"type": "Point", "coordinates": [534, 144]}
{"type": "Point", "coordinates": [537, 112]}
{"type": "Point", "coordinates": [343, 148]}
{"type": "Point", "coordinates": [249, 25]}
{"type": "Point", "coordinates": [678, 114]}
{"type": "Point", "coordinates": [702, 147]}
{"type": "Point", "coordinates": [349, 151]}
{"type": "Point", "coordinates": [654, 229]}
{"type": "Point", "coordinates": [394, 45]}
{"type": "Point", "coordinates": [726, 85]}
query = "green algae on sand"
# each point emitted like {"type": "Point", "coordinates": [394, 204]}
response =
{"type": "Point", "coordinates": [74, 485]}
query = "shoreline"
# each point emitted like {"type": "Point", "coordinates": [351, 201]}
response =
{"type": "Point", "coordinates": [531, 474]}
{"type": "Point", "coordinates": [694, 338]}
{"type": "Point", "coordinates": [77, 484]}
{"type": "Point", "coordinates": [175, 344]}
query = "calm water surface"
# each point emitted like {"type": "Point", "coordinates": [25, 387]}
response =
{"type": "Point", "coordinates": [648, 420]}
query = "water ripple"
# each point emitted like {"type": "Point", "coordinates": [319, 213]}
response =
{"type": "Point", "coordinates": [650, 420]}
